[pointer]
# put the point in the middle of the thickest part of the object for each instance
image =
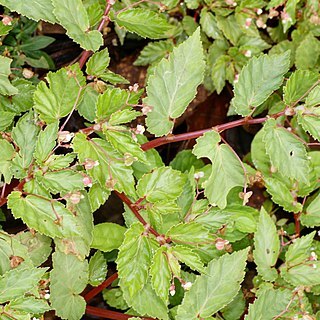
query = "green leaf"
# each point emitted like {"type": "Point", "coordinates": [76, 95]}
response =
{"type": "Point", "coordinates": [189, 233]}
{"type": "Point", "coordinates": [309, 119]}
{"type": "Point", "coordinates": [97, 269]}
{"type": "Point", "coordinates": [112, 100]}
{"type": "Point", "coordinates": [79, 244]}
{"type": "Point", "coordinates": [154, 52]}
{"type": "Point", "coordinates": [68, 279]}
{"type": "Point", "coordinates": [269, 304]}
{"type": "Point", "coordinates": [30, 305]}
{"type": "Point", "coordinates": [307, 52]}
{"type": "Point", "coordinates": [47, 216]}
{"type": "Point", "coordinates": [227, 171]}
{"type": "Point", "coordinates": [114, 298]}
{"type": "Point", "coordinates": [313, 98]}
{"type": "Point", "coordinates": [62, 181]}
{"type": "Point", "coordinates": [161, 274]}
{"type": "Point", "coordinates": [98, 63]}
{"type": "Point", "coordinates": [25, 136]}
{"type": "Point", "coordinates": [124, 143]}
{"type": "Point", "coordinates": [298, 85]}
{"type": "Point", "coordinates": [133, 260]}
{"type": "Point", "coordinates": [173, 84]}
{"type": "Point", "coordinates": [107, 236]}
{"type": "Point", "coordinates": [146, 302]}
{"type": "Point", "coordinates": [87, 106]}
{"type": "Point", "coordinates": [209, 24]}
{"type": "Point", "coordinates": [287, 153]}
{"type": "Point", "coordinates": [185, 160]}
{"type": "Point", "coordinates": [38, 245]}
{"type": "Point", "coordinates": [7, 153]}
{"type": "Point", "coordinates": [154, 186]}
{"type": "Point", "coordinates": [154, 25]}
{"type": "Point", "coordinates": [18, 281]}
{"type": "Point", "coordinates": [23, 100]}
{"type": "Point", "coordinates": [6, 88]}
{"type": "Point", "coordinates": [62, 95]}
{"type": "Point", "coordinates": [219, 71]}
{"type": "Point", "coordinates": [73, 16]}
{"type": "Point", "coordinates": [282, 195]}
{"type": "Point", "coordinates": [257, 80]}
{"type": "Point", "coordinates": [6, 119]}
{"type": "Point", "coordinates": [57, 162]}
{"type": "Point", "coordinates": [267, 247]}
{"type": "Point", "coordinates": [110, 168]}
{"type": "Point", "coordinates": [32, 9]}
{"type": "Point", "coordinates": [188, 257]}
{"type": "Point", "coordinates": [36, 43]}
{"type": "Point", "coordinates": [306, 274]}
{"type": "Point", "coordinates": [114, 78]}
{"type": "Point", "coordinates": [123, 116]}
{"type": "Point", "coordinates": [311, 215]}
{"type": "Point", "coordinates": [46, 142]}
{"type": "Point", "coordinates": [299, 251]}
{"type": "Point", "coordinates": [230, 28]}
{"type": "Point", "coordinates": [97, 196]}
{"type": "Point", "coordinates": [207, 295]}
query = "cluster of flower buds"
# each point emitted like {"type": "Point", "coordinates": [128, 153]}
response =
{"type": "Point", "coordinates": [220, 243]}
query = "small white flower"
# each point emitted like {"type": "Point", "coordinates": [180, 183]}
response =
{"type": "Point", "coordinates": [248, 53]}
{"type": "Point", "coordinates": [47, 296]}
{"type": "Point", "coordinates": [134, 88]}
{"type": "Point", "coordinates": [140, 129]}
{"type": "Point", "coordinates": [259, 11]}
{"type": "Point", "coordinates": [187, 285]}
{"type": "Point", "coordinates": [198, 175]}
{"type": "Point", "coordinates": [172, 290]}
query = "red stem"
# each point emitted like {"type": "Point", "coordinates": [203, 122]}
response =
{"type": "Point", "coordinates": [104, 22]}
{"type": "Point", "coordinates": [297, 224]}
{"type": "Point", "coordinates": [135, 211]}
{"type": "Point", "coordinates": [108, 314]}
{"type": "Point", "coordinates": [95, 291]}
{"type": "Point", "coordinates": [195, 134]}
{"type": "Point", "coordinates": [10, 187]}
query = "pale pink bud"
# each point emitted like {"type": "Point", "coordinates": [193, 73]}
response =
{"type": "Point", "coordinates": [27, 73]}
{"type": "Point", "coordinates": [260, 24]}
{"type": "Point", "coordinates": [65, 136]}
{"type": "Point", "coordinates": [90, 164]}
{"type": "Point", "coordinates": [75, 197]}
{"type": "Point", "coordinates": [259, 11]}
{"type": "Point", "coordinates": [236, 78]}
{"type": "Point", "coordinates": [146, 109]}
{"type": "Point", "coordinates": [87, 181]}
{"type": "Point", "coordinates": [248, 53]}
{"type": "Point", "coordinates": [248, 23]}
{"type": "Point", "coordinates": [172, 290]}
{"type": "Point", "coordinates": [313, 256]}
{"type": "Point", "coordinates": [7, 21]}
{"type": "Point", "coordinates": [220, 243]}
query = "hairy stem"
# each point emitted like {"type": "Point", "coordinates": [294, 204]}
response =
{"type": "Point", "coordinates": [135, 211]}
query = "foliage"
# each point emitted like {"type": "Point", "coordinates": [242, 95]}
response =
{"type": "Point", "coordinates": [189, 227]}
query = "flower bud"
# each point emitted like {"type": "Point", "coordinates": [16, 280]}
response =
{"type": "Point", "coordinates": [65, 136]}
{"type": "Point", "coordinates": [87, 181]}
{"type": "Point", "coordinates": [27, 73]}
{"type": "Point", "coordinates": [221, 243]}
